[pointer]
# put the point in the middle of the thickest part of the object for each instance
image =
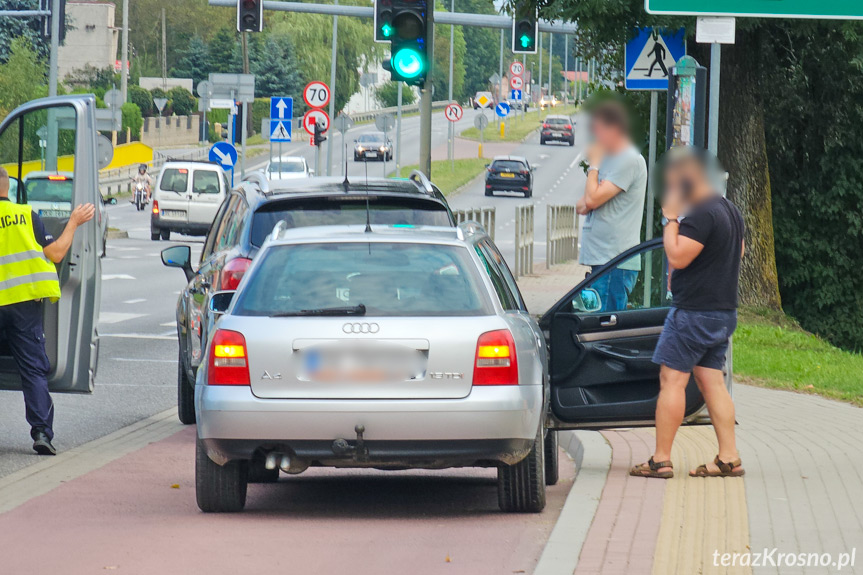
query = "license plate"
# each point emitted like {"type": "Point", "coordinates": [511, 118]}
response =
{"type": "Point", "coordinates": [173, 213]}
{"type": "Point", "coordinates": [54, 213]}
{"type": "Point", "coordinates": [507, 175]}
{"type": "Point", "coordinates": [361, 363]}
{"type": "Point", "coordinates": [371, 154]}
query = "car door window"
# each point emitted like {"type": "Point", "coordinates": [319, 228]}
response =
{"type": "Point", "coordinates": [175, 180]}
{"type": "Point", "coordinates": [638, 282]}
{"type": "Point", "coordinates": [506, 298]}
{"type": "Point", "coordinates": [212, 236]}
{"type": "Point", "coordinates": [494, 255]}
{"type": "Point", "coordinates": [205, 182]}
{"type": "Point", "coordinates": [231, 227]}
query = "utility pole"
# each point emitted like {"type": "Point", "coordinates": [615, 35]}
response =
{"type": "Point", "coordinates": [713, 113]}
{"type": "Point", "coordinates": [539, 78]}
{"type": "Point", "coordinates": [51, 149]}
{"type": "Point", "coordinates": [164, 53]}
{"type": "Point", "coordinates": [331, 140]}
{"type": "Point", "coordinates": [426, 98]}
{"type": "Point", "coordinates": [244, 119]}
{"type": "Point", "coordinates": [124, 54]}
{"type": "Point", "coordinates": [566, 66]}
{"type": "Point", "coordinates": [500, 89]}
{"type": "Point", "coordinates": [450, 151]}
{"type": "Point", "coordinates": [398, 133]}
{"type": "Point", "coordinates": [550, 56]}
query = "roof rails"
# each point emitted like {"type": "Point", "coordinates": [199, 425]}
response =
{"type": "Point", "coordinates": [260, 178]}
{"type": "Point", "coordinates": [421, 181]}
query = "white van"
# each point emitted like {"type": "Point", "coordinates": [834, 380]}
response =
{"type": "Point", "coordinates": [186, 197]}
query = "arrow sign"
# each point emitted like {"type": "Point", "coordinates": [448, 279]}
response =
{"type": "Point", "coordinates": [502, 109]}
{"type": "Point", "coordinates": [224, 154]}
{"type": "Point", "coordinates": [515, 95]}
{"type": "Point", "coordinates": [281, 108]}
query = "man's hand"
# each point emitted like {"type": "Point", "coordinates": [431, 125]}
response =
{"type": "Point", "coordinates": [595, 154]}
{"type": "Point", "coordinates": [581, 207]}
{"type": "Point", "coordinates": [672, 203]}
{"type": "Point", "coordinates": [82, 214]}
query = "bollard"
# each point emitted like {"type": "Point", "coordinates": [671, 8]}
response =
{"type": "Point", "coordinates": [502, 130]}
{"type": "Point", "coordinates": [479, 154]}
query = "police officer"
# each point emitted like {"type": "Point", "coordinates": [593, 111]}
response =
{"type": "Point", "coordinates": [27, 276]}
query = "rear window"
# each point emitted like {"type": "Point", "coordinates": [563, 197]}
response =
{"type": "Point", "coordinates": [287, 167]}
{"type": "Point", "coordinates": [557, 121]}
{"type": "Point", "coordinates": [205, 182]}
{"type": "Point", "coordinates": [50, 190]}
{"type": "Point", "coordinates": [508, 165]}
{"type": "Point", "coordinates": [174, 180]}
{"type": "Point", "coordinates": [390, 279]}
{"type": "Point", "coordinates": [347, 211]}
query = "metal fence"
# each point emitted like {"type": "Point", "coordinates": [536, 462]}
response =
{"type": "Point", "coordinates": [561, 235]}
{"type": "Point", "coordinates": [118, 180]}
{"type": "Point", "coordinates": [523, 240]}
{"type": "Point", "coordinates": [406, 109]}
{"type": "Point", "coordinates": [483, 216]}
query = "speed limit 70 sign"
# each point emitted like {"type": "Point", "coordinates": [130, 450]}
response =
{"type": "Point", "coordinates": [517, 68]}
{"type": "Point", "coordinates": [316, 94]}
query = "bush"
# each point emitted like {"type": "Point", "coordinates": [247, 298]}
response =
{"type": "Point", "coordinates": [260, 110]}
{"type": "Point", "coordinates": [141, 98]}
{"type": "Point", "coordinates": [132, 119]}
{"type": "Point", "coordinates": [387, 95]}
{"type": "Point", "coordinates": [183, 102]}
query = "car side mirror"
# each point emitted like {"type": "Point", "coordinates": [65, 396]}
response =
{"type": "Point", "coordinates": [220, 301]}
{"type": "Point", "coordinates": [587, 301]}
{"type": "Point", "coordinates": [311, 172]}
{"type": "Point", "coordinates": [179, 257]}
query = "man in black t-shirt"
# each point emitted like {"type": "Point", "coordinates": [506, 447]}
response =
{"type": "Point", "coordinates": [703, 240]}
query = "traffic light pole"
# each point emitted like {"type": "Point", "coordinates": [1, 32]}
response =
{"type": "Point", "coordinates": [426, 97]}
{"type": "Point", "coordinates": [333, 92]}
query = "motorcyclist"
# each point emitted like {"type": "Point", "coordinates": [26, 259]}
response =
{"type": "Point", "coordinates": [142, 177]}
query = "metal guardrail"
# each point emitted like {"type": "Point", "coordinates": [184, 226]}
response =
{"type": "Point", "coordinates": [371, 115]}
{"type": "Point", "coordinates": [118, 180]}
{"type": "Point", "coordinates": [523, 241]}
{"type": "Point", "coordinates": [483, 216]}
{"type": "Point", "coordinates": [561, 235]}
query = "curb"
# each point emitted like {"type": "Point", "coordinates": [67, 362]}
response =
{"type": "Point", "coordinates": [592, 456]}
{"type": "Point", "coordinates": [117, 234]}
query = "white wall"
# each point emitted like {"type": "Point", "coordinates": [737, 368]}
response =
{"type": "Point", "coordinates": [91, 38]}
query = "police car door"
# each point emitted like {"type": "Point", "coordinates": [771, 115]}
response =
{"type": "Point", "coordinates": [49, 148]}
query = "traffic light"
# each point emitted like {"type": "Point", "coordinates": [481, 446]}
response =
{"type": "Point", "coordinates": [46, 28]}
{"type": "Point", "coordinates": [319, 134]}
{"type": "Point", "coordinates": [524, 30]}
{"type": "Point", "coordinates": [407, 28]}
{"type": "Point", "coordinates": [250, 15]}
{"type": "Point", "coordinates": [384, 21]}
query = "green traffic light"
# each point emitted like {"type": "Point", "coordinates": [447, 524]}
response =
{"type": "Point", "coordinates": [525, 41]}
{"type": "Point", "coordinates": [408, 63]}
{"type": "Point", "coordinates": [386, 30]}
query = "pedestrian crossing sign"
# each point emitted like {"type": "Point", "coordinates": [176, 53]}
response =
{"type": "Point", "coordinates": [650, 57]}
{"type": "Point", "coordinates": [280, 130]}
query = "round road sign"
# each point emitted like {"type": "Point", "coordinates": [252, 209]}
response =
{"type": "Point", "coordinates": [316, 94]}
{"type": "Point", "coordinates": [517, 68]}
{"type": "Point", "coordinates": [480, 121]}
{"type": "Point", "coordinates": [313, 117]}
{"type": "Point", "coordinates": [516, 82]}
{"type": "Point", "coordinates": [343, 123]}
{"type": "Point", "coordinates": [385, 122]}
{"type": "Point", "coordinates": [453, 112]}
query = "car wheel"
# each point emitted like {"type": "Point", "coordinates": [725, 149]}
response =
{"type": "Point", "coordinates": [489, 192]}
{"type": "Point", "coordinates": [572, 142]}
{"type": "Point", "coordinates": [219, 488]}
{"type": "Point", "coordinates": [552, 453]}
{"type": "Point", "coordinates": [521, 487]}
{"type": "Point", "coordinates": [166, 234]}
{"type": "Point", "coordinates": [541, 142]}
{"type": "Point", "coordinates": [528, 194]}
{"type": "Point", "coordinates": [154, 235]}
{"type": "Point", "coordinates": [104, 247]}
{"type": "Point", "coordinates": [185, 395]}
{"type": "Point", "coordinates": [258, 472]}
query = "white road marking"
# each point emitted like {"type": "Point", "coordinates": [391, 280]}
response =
{"type": "Point", "coordinates": [139, 300]}
{"type": "Point", "coordinates": [139, 336]}
{"type": "Point", "coordinates": [169, 324]}
{"type": "Point", "coordinates": [117, 317]}
{"type": "Point", "coordinates": [143, 360]}
{"type": "Point", "coordinates": [127, 249]}
{"type": "Point", "coordinates": [108, 277]}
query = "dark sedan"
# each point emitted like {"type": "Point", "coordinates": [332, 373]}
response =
{"type": "Point", "coordinates": [509, 174]}
{"type": "Point", "coordinates": [373, 146]}
{"type": "Point", "coordinates": [557, 128]}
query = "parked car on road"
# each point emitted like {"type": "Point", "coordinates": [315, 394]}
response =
{"type": "Point", "coordinates": [557, 128]}
{"type": "Point", "coordinates": [373, 146]}
{"type": "Point", "coordinates": [251, 211]}
{"type": "Point", "coordinates": [288, 168]}
{"type": "Point", "coordinates": [186, 197]}
{"type": "Point", "coordinates": [509, 174]}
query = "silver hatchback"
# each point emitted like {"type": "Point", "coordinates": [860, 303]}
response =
{"type": "Point", "coordinates": [384, 347]}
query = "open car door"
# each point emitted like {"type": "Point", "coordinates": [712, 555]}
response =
{"type": "Point", "coordinates": [600, 356]}
{"type": "Point", "coordinates": [49, 148]}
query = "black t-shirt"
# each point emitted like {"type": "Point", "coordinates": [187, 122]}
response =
{"type": "Point", "coordinates": [710, 281]}
{"type": "Point", "coordinates": [43, 238]}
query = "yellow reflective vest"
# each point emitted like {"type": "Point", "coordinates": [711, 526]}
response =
{"type": "Point", "coordinates": [25, 273]}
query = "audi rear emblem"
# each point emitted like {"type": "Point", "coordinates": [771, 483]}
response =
{"type": "Point", "coordinates": [361, 328]}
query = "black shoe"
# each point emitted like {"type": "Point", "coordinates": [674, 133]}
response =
{"type": "Point", "coordinates": [42, 445]}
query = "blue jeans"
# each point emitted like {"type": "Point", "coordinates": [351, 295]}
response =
{"type": "Point", "coordinates": [614, 288]}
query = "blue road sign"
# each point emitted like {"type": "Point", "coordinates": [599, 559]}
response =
{"type": "Point", "coordinates": [281, 112]}
{"type": "Point", "coordinates": [502, 109]}
{"type": "Point", "coordinates": [650, 57]}
{"type": "Point", "coordinates": [515, 95]}
{"type": "Point", "coordinates": [225, 155]}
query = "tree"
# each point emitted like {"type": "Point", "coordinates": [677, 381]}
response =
{"type": "Point", "coordinates": [274, 80]}
{"type": "Point", "coordinates": [141, 98]}
{"type": "Point", "coordinates": [482, 49]}
{"type": "Point", "coordinates": [22, 76]}
{"type": "Point", "coordinates": [195, 61]}
{"type": "Point", "coordinates": [98, 80]}
{"type": "Point", "coordinates": [387, 94]}
{"type": "Point", "coordinates": [440, 78]}
{"type": "Point", "coordinates": [132, 119]}
{"type": "Point", "coordinates": [27, 28]}
{"type": "Point", "coordinates": [183, 102]}
{"type": "Point", "coordinates": [742, 146]}
{"type": "Point", "coordinates": [221, 50]}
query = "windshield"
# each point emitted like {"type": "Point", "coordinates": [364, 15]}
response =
{"type": "Point", "coordinates": [377, 137]}
{"type": "Point", "coordinates": [509, 165]}
{"type": "Point", "coordinates": [389, 279]}
{"type": "Point", "coordinates": [287, 167]}
{"type": "Point", "coordinates": [557, 121]}
{"type": "Point", "coordinates": [347, 210]}
{"type": "Point", "coordinates": [50, 190]}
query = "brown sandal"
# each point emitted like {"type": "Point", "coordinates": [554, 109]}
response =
{"type": "Point", "coordinates": [651, 469]}
{"type": "Point", "coordinates": [725, 469]}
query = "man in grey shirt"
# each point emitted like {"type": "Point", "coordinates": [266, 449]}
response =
{"type": "Point", "coordinates": [613, 203]}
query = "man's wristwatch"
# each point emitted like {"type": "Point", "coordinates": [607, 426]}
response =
{"type": "Point", "coordinates": [666, 221]}
{"type": "Point", "coordinates": [592, 169]}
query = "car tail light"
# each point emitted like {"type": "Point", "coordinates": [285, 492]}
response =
{"type": "Point", "coordinates": [233, 272]}
{"type": "Point", "coordinates": [495, 362]}
{"type": "Point", "coordinates": [568, 126]}
{"type": "Point", "coordinates": [228, 359]}
{"type": "Point", "coordinates": [524, 172]}
{"type": "Point", "coordinates": [155, 207]}
{"type": "Point", "coordinates": [57, 178]}
{"type": "Point", "coordinates": [545, 126]}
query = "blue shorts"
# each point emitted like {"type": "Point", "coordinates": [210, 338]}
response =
{"type": "Point", "coordinates": [695, 338]}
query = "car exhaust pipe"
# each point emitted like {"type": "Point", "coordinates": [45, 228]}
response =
{"type": "Point", "coordinates": [285, 463]}
{"type": "Point", "coordinates": [272, 461]}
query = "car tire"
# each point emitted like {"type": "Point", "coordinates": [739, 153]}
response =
{"type": "Point", "coordinates": [521, 487]}
{"type": "Point", "coordinates": [166, 234]}
{"type": "Point", "coordinates": [572, 142]}
{"type": "Point", "coordinates": [258, 472]}
{"type": "Point", "coordinates": [185, 395]}
{"type": "Point", "coordinates": [542, 141]}
{"type": "Point", "coordinates": [155, 235]}
{"type": "Point", "coordinates": [528, 194]}
{"type": "Point", "coordinates": [489, 192]}
{"type": "Point", "coordinates": [219, 488]}
{"type": "Point", "coordinates": [552, 457]}
{"type": "Point", "coordinates": [104, 247]}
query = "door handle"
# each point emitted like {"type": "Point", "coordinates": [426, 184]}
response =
{"type": "Point", "coordinates": [611, 321]}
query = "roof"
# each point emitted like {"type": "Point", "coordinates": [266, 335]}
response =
{"type": "Point", "coordinates": [358, 233]}
{"type": "Point", "coordinates": [574, 76]}
{"type": "Point", "coordinates": [416, 184]}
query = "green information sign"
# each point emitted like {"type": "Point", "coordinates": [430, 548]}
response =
{"type": "Point", "coordinates": [837, 9]}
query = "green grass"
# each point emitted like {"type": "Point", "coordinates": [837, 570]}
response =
{"type": "Point", "coordinates": [448, 180]}
{"type": "Point", "coordinates": [770, 350]}
{"type": "Point", "coordinates": [517, 128]}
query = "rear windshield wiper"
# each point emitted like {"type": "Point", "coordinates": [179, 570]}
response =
{"type": "Point", "coordinates": [359, 309]}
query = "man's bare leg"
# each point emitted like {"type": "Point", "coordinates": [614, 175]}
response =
{"type": "Point", "coordinates": [711, 382]}
{"type": "Point", "coordinates": [670, 409]}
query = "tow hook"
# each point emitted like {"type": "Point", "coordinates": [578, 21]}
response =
{"type": "Point", "coordinates": [359, 452]}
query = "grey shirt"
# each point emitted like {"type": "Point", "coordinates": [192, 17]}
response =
{"type": "Point", "coordinates": [615, 226]}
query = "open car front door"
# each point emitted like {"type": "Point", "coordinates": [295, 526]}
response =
{"type": "Point", "coordinates": [49, 148]}
{"type": "Point", "coordinates": [601, 342]}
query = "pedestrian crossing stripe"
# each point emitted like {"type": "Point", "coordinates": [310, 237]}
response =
{"type": "Point", "coordinates": [279, 132]}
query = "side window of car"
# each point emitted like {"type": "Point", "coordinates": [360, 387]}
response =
{"type": "Point", "coordinates": [234, 229]}
{"type": "Point", "coordinates": [205, 182]}
{"type": "Point", "coordinates": [494, 255]}
{"type": "Point", "coordinates": [504, 295]}
{"type": "Point", "coordinates": [213, 234]}
{"type": "Point", "coordinates": [638, 282]}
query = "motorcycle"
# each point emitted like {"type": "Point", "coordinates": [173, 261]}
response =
{"type": "Point", "coordinates": [140, 197]}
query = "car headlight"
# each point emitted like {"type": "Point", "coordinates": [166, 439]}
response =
{"type": "Point", "coordinates": [383, 149]}
{"type": "Point", "coordinates": [359, 148]}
